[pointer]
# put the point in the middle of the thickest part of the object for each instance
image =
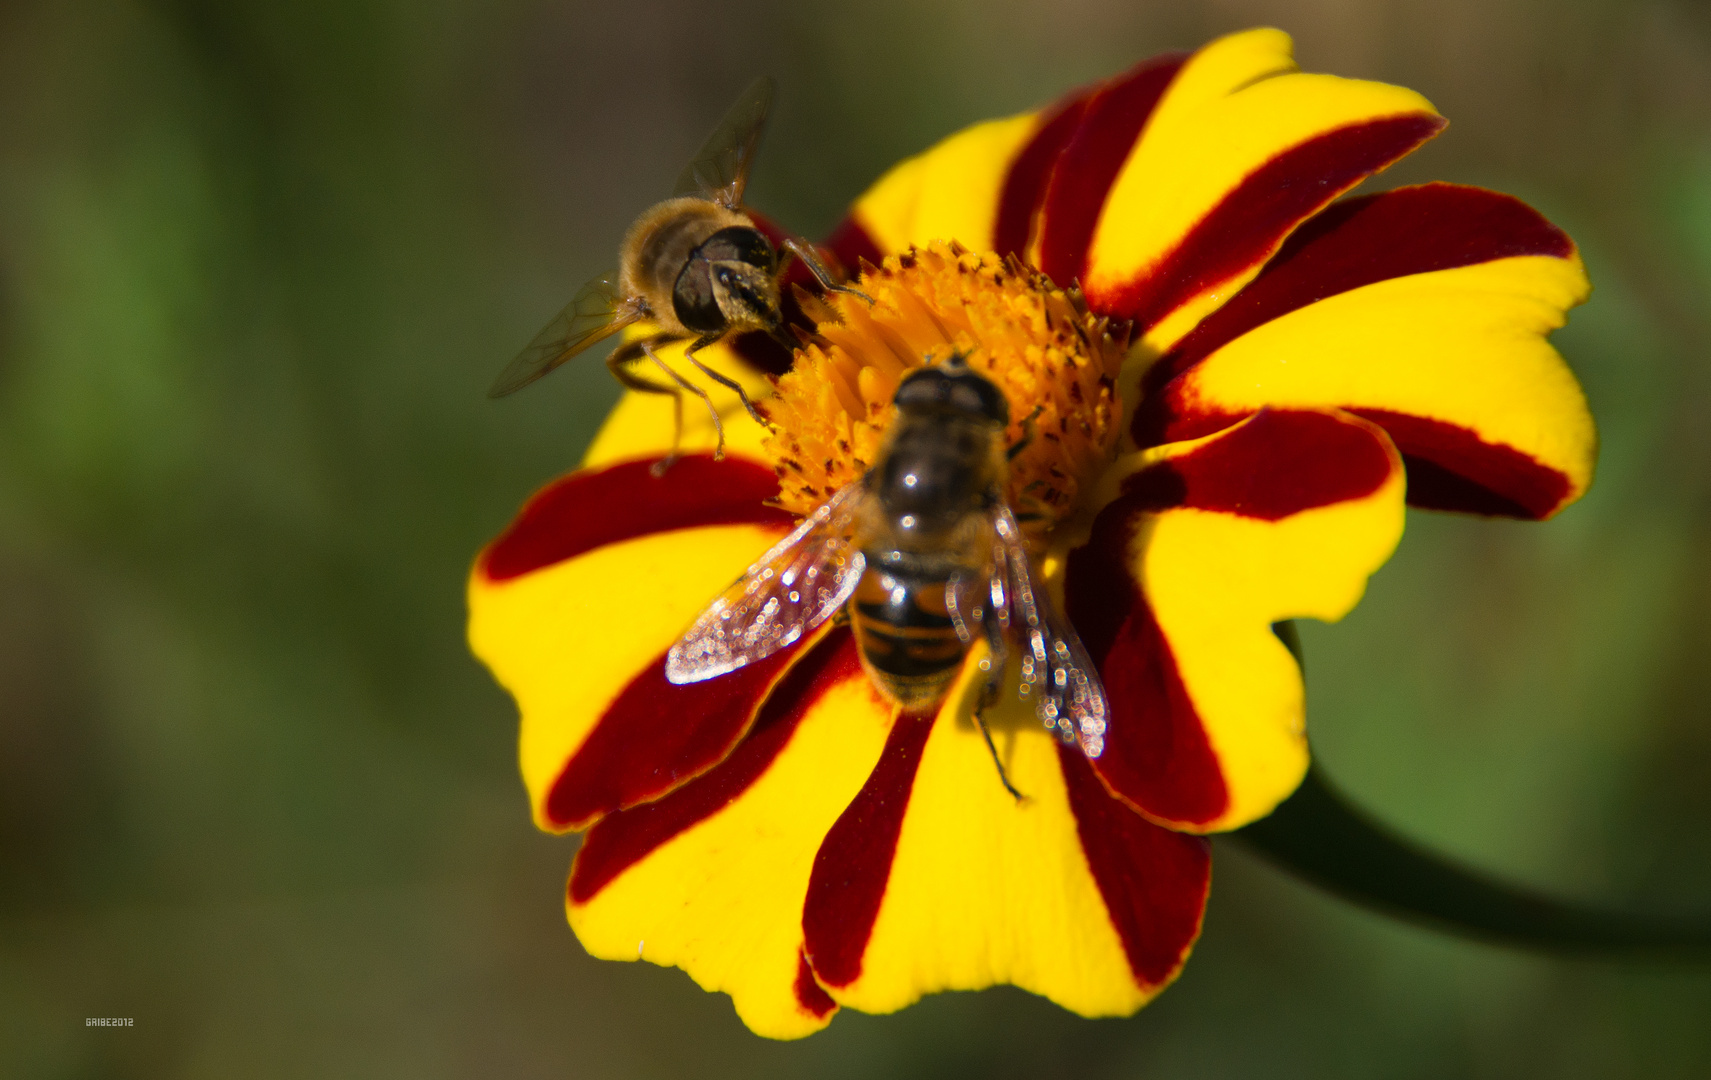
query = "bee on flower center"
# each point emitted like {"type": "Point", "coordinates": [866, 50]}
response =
{"type": "Point", "coordinates": [924, 527]}
{"type": "Point", "coordinates": [928, 558]}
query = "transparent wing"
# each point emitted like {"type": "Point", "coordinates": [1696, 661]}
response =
{"type": "Point", "coordinates": [597, 311]}
{"type": "Point", "coordinates": [965, 601]}
{"type": "Point", "coordinates": [794, 587]}
{"type": "Point", "coordinates": [1057, 673]}
{"type": "Point", "coordinates": [721, 170]}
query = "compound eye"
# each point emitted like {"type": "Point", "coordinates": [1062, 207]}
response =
{"type": "Point", "coordinates": [972, 394]}
{"type": "Point", "coordinates": [954, 386]}
{"type": "Point", "coordinates": [739, 243]}
{"type": "Point", "coordinates": [724, 276]}
{"type": "Point", "coordinates": [965, 398]}
{"type": "Point", "coordinates": [924, 386]}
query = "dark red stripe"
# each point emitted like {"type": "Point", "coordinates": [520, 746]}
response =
{"type": "Point", "coordinates": [851, 244]}
{"type": "Point", "coordinates": [1412, 230]}
{"type": "Point", "coordinates": [1025, 182]}
{"type": "Point", "coordinates": [809, 993]}
{"type": "Point", "coordinates": [1451, 468]}
{"type": "Point", "coordinates": [1091, 160]}
{"type": "Point", "coordinates": [655, 735]}
{"type": "Point", "coordinates": [1249, 223]}
{"type": "Point", "coordinates": [1154, 881]}
{"type": "Point", "coordinates": [595, 507]}
{"type": "Point", "coordinates": [757, 348]}
{"type": "Point", "coordinates": [1279, 463]}
{"type": "Point", "coordinates": [1170, 419]}
{"type": "Point", "coordinates": [1157, 755]}
{"type": "Point", "coordinates": [768, 228]}
{"type": "Point", "coordinates": [625, 837]}
{"type": "Point", "coordinates": [854, 863]}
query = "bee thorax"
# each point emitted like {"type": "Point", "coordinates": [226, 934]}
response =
{"type": "Point", "coordinates": [936, 472]}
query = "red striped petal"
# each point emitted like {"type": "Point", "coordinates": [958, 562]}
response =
{"type": "Point", "coordinates": [1411, 230]}
{"type": "Point", "coordinates": [1154, 881]}
{"type": "Point", "coordinates": [1160, 752]}
{"type": "Point", "coordinates": [1157, 754]}
{"type": "Point", "coordinates": [1451, 468]}
{"type": "Point", "coordinates": [1362, 242]}
{"type": "Point", "coordinates": [657, 735]}
{"type": "Point", "coordinates": [1030, 173]}
{"type": "Point", "coordinates": [854, 862]}
{"type": "Point", "coordinates": [626, 836]}
{"type": "Point", "coordinates": [809, 992]}
{"type": "Point", "coordinates": [1107, 130]}
{"type": "Point", "coordinates": [1246, 226]}
{"type": "Point", "coordinates": [1245, 474]}
{"type": "Point", "coordinates": [595, 507]}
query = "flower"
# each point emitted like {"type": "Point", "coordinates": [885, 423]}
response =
{"type": "Point", "coordinates": [1234, 408]}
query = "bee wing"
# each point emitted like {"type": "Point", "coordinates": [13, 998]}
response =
{"type": "Point", "coordinates": [721, 170]}
{"type": "Point", "coordinates": [596, 311]}
{"type": "Point", "coordinates": [797, 585]}
{"type": "Point", "coordinates": [1057, 673]}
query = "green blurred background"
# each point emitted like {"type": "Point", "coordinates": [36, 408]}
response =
{"type": "Point", "coordinates": [259, 262]}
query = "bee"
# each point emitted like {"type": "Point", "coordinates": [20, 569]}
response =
{"type": "Point", "coordinates": [694, 265]}
{"type": "Point", "coordinates": [926, 557]}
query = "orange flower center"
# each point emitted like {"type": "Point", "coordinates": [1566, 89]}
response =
{"type": "Point", "coordinates": [1055, 361]}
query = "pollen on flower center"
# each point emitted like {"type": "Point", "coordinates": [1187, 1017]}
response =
{"type": "Point", "coordinates": [1055, 361]}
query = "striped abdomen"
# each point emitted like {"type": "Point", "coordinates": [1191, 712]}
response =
{"type": "Point", "coordinates": [908, 643]}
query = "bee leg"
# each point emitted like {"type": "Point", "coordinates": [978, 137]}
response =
{"type": "Point", "coordinates": [818, 269]}
{"type": "Point", "coordinates": [994, 685]}
{"type": "Point", "coordinates": [730, 384]}
{"type": "Point", "coordinates": [1003, 777]}
{"type": "Point", "coordinates": [617, 364]}
{"type": "Point", "coordinates": [719, 450]}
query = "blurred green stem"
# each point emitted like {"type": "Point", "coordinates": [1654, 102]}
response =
{"type": "Point", "coordinates": [1319, 836]}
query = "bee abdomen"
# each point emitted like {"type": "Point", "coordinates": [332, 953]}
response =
{"type": "Point", "coordinates": [907, 639]}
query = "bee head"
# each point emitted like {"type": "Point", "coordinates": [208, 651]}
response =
{"type": "Point", "coordinates": [729, 284]}
{"type": "Point", "coordinates": [953, 387]}
{"type": "Point", "coordinates": [746, 294]}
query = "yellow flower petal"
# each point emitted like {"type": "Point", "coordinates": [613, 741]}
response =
{"type": "Point", "coordinates": [574, 607]}
{"type": "Point", "coordinates": [950, 192]}
{"type": "Point", "coordinates": [1204, 546]}
{"type": "Point", "coordinates": [1426, 310]}
{"type": "Point", "coordinates": [711, 878]}
{"type": "Point", "coordinates": [936, 878]}
{"type": "Point", "coordinates": [1242, 148]}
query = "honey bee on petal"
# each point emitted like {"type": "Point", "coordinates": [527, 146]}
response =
{"type": "Point", "coordinates": [927, 557]}
{"type": "Point", "coordinates": [695, 266]}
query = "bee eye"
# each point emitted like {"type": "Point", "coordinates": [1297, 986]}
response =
{"type": "Point", "coordinates": [724, 276]}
